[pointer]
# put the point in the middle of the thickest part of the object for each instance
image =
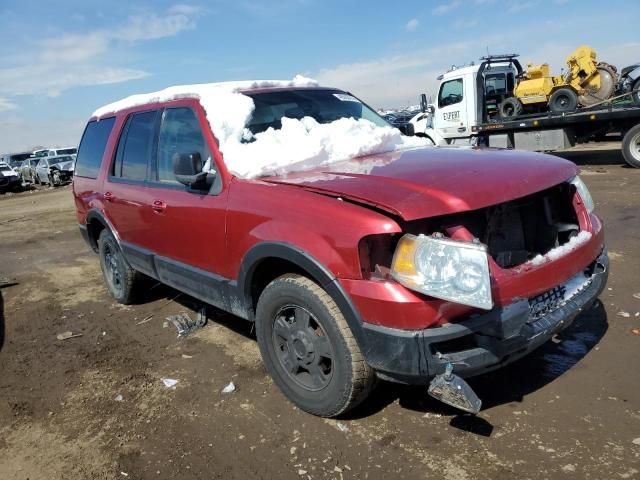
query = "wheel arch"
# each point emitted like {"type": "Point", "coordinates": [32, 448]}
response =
{"type": "Point", "coordinates": [268, 260]}
{"type": "Point", "coordinates": [95, 223]}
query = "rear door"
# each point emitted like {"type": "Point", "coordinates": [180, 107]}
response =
{"type": "Point", "coordinates": [127, 198]}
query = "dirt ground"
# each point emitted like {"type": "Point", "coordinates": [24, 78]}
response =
{"type": "Point", "coordinates": [94, 406]}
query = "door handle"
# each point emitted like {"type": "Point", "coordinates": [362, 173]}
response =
{"type": "Point", "coordinates": [159, 206]}
{"type": "Point", "coordinates": [108, 197]}
{"type": "Point", "coordinates": [461, 129]}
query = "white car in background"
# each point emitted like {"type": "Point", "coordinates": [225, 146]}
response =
{"type": "Point", "coordinates": [55, 170]}
{"type": "Point", "coordinates": [54, 152]}
{"type": "Point", "coordinates": [9, 179]}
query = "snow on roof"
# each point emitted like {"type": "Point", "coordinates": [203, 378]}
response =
{"type": "Point", "coordinates": [299, 145]}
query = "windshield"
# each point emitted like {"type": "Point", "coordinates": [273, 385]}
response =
{"type": "Point", "coordinates": [5, 168]}
{"type": "Point", "coordinates": [324, 106]}
{"type": "Point", "coordinates": [54, 160]}
{"type": "Point", "coordinates": [67, 151]}
{"type": "Point", "coordinates": [41, 153]}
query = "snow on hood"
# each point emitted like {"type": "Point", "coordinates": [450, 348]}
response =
{"type": "Point", "coordinates": [299, 145]}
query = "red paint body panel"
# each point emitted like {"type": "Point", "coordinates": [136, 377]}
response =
{"type": "Point", "coordinates": [305, 210]}
{"type": "Point", "coordinates": [428, 182]}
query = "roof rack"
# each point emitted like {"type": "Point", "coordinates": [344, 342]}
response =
{"type": "Point", "coordinates": [506, 57]}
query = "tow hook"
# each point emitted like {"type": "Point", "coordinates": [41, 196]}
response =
{"type": "Point", "coordinates": [449, 388]}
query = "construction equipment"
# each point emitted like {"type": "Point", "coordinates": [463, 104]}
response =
{"type": "Point", "coordinates": [585, 83]}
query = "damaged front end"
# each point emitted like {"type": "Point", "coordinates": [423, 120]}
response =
{"type": "Point", "coordinates": [481, 288]}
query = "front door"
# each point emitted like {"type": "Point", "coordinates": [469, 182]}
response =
{"type": "Point", "coordinates": [451, 116]}
{"type": "Point", "coordinates": [188, 225]}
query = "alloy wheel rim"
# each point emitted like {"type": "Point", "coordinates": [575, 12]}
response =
{"type": "Point", "coordinates": [302, 347]}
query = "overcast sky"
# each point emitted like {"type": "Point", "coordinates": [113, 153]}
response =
{"type": "Point", "coordinates": [61, 60]}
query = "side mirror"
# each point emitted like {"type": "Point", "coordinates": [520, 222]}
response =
{"type": "Point", "coordinates": [407, 129]}
{"type": "Point", "coordinates": [187, 167]}
{"type": "Point", "coordinates": [432, 109]}
{"type": "Point", "coordinates": [423, 103]}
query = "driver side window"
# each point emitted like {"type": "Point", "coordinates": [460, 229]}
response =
{"type": "Point", "coordinates": [450, 93]}
{"type": "Point", "coordinates": [179, 133]}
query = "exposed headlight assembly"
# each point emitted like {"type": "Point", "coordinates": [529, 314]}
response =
{"type": "Point", "coordinates": [584, 193]}
{"type": "Point", "coordinates": [444, 268]}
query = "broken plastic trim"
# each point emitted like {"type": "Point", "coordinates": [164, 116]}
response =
{"type": "Point", "coordinates": [453, 390]}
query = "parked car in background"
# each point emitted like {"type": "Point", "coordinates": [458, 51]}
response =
{"type": "Point", "coordinates": [54, 152]}
{"type": "Point", "coordinates": [28, 170]}
{"type": "Point", "coordinates": [9, 179]}
{"type": "Point", "coordinates": [14, 160]}
{"type": "Point", "coordinates": [55, 170]}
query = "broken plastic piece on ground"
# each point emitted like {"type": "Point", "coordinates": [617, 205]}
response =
{"type": "Point", "coordinates": [67, 335]}
{"type": "Point", "coordinates": [635, 331]}
{"type": "Point", "coordinates": [119, 398]}
{"type": "Point", "coordinates": [185, 325]}
{"type": "Point", "coordinates": [145, 320]}
{"type": "Point", "coordinates": [169, 382]}
{"type": "Point", "coordinates": [636, 295]}
{"type": "Point", "coordinates": [623, 314]}
{"type": "Point", "coordinates": [342, 427]}
{"type": "Point", "coordinates": [453, 390]}
{"type": "Point", "coordinates": [231, 387]}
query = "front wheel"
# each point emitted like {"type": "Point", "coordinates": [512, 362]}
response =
{"type": "Point", "coordinates": [563, 100]}
{"type": "Point", "coordinates": [631, 147]}
{"type": "Point", "coordinates": [308, 348]}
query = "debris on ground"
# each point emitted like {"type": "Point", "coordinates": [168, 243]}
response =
{"type": "Point", "coordinates": [636, 441]}
{"type": "Point", "coordinates": [342, 427]}
{"type": "Point", "coordinates": [7, 282]}
{"type": "Point", "coordinates": [145, 320]}
{"type": "Point", "coordinates": [187, 356]}
{"type": "Point", "coordinates": [169, 382]}
{"type": "Point", "coordinates": [185, 325]}
{"type": "Point", "coordinates": [635, 331]}
{"type": "Point", "coordinates": [231, 387]}
{"type": "Point", "coordinates": [624, 314]}
{"type": "Point", "coordinates": [636, 295]}
{"type": "Point", "coordinates": [119, 398]}
{"type": "Point", "coordinates": [67, 335]}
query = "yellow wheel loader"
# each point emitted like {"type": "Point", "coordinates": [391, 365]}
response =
{"type": "Point", "coordinates": [586, 82]}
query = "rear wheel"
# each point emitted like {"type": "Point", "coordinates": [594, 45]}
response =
{"type": "Point", "coordinates": [309, 349]}
{"type": "Point", "coordinates": [120, 278]}
{"type": "Point", "coordinates": [631, 146]}
{"type": "Point", "coordinates": [510, 108]}
{"type": "Point", "coordinates": [563, 100]}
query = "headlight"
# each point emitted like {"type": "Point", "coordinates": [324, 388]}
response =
{"type": "Point", "coordinates": [584, 193]}
{"type": "Point", "coordinates": [443, 268]}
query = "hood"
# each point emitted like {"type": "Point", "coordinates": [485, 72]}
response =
{"type": "Point", "coordinates": [8, 173]}
{"type": "Point", "coordinates": [64, 166]}
{"type": "Point", "coordinates": [429, 182]}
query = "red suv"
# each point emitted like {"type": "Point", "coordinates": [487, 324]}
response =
{"type": "Point", "coordinates": [398, 265]}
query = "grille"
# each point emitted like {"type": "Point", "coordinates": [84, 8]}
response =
{"type": "Point", "coordinates": [546, 302]}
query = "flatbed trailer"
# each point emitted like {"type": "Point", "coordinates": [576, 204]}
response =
{"type": "Point", "coordinates": [553, 131]}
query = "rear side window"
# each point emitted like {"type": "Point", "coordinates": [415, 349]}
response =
{"type": "Point", "coordinates": [92, 146]}
{"type": "Point", "coordinates": [135, 146]}
{"type": "Point", "coordinates": [179, 133]}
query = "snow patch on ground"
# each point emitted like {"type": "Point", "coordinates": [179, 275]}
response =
{"type": "Point", "coordinates": [553, 254]}
{"type": "Point", "coordinates": [299, 145]}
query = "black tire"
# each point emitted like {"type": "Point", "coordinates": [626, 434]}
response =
{"type": "Point", "coordinates": [120, 278]}
{"type": "Point", "coordinates": [563, 100]}
{"type": "Point", "coordinates": [510, 108]}
{"type": "Point", "coordinates": [299, 325]}
{"type": "Point", "coordinates": [636, 92]}
{"type": "Point", "coordinates": [631, 146]}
